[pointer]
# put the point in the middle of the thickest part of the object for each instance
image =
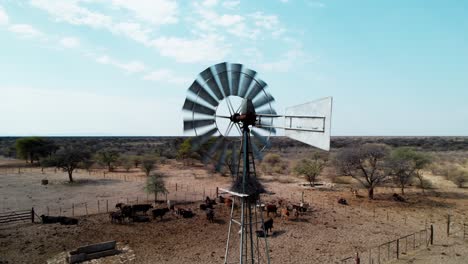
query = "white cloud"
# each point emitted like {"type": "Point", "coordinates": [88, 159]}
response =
{"type": "Point", "coordinates": [132, 67]}
{"type": "Point", "coordinates": [70, 42]}
{"type": "Point", "coordinates": [25, 31]}
{"type": "Point", "coordinates": [287, 61]}
{"type": "Point", "coordinates": [129, 67]}
{"type": "Point", "coordinates": [133, 30]}
{"type": "Point", "coordinates": [202, 49]}
{"type": "Point", "coordinates": [165, 75]}
{"type": "Point", "coordinates": [71, 12]}
{"type": "Point", "coordinates": [231, 4]}
{"type": "Point", "coordinates": [156, 12]}
{"type": "Point", "coordinates": [210, 3]}
{"type": "Point", "coordinates": [3, 17]}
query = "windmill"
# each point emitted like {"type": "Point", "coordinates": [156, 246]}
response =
{"type": "Point", "coordinates": [228, 108]}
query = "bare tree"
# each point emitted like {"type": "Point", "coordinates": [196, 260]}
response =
{"type": "Point", "coordinates": [365, 164]}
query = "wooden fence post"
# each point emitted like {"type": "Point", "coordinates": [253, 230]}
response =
{"type": "Point", "coordinates": [98, 207]}
{"type": "Point", "coordinates": [32, 215]}
{"type": "Point", "coordinates": [398, 248]}
{"type": "Point", "coordinates": [432, 234]}
{"type": "Point", "coordinates": [217, 192]}
{"type": "Point", "coordinates": [176, 187]}
{"type": "Point", "coordinates": [356, 259]}
{"type": "Point", "coordinates": [73, 209]}
{"type": "Point", "coordinates": [448, 225]}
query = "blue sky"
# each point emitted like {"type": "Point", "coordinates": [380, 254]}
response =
{"type": "Point", "coordinates": [117, 67]}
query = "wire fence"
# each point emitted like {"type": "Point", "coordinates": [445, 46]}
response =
{"type": "Point", "coordinates": [393, 249]}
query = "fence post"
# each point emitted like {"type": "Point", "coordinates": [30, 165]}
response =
{"type": "Point", "coordinates": [432, 234]}
{"type": "Point", "coordinates": [86, 207]}
{"type": "Point", "coordinates": [378, 254]}
{"type": "Point", "coordinates": [448, 225]}
{"type": "Point", "coordinates": [32, 215]}
{"type": "Point", "coordinates": [73, 209]}
{"type": "Point", "coordinates": [370, 256]}
{"type": "Point", "coordinates": [176, 187]}
{"type": "Point", "coordinates": [217, 192]}
{"type": "Point", "coordinates": [356, 259]}
{"type": "Point", "coordinates": [98, 207]}
{"type": "Point", "coordinates": [398, 248]}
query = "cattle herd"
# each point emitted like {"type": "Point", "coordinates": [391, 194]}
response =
{"type": "Point", "coordinates": [130, 213]}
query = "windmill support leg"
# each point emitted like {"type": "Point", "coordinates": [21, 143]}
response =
{"type": "Point", "coordinates": [229, 234]}
{"type": "Point", "coordinates": [241, 246]}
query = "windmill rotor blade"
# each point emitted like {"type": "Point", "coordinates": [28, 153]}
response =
{"type": "Point", "coordinates": [190, 105]}
{"type": "Point", "coordinates": [191, 124]}
{"type": "Point", "coordinates": [234, 159]}
{"type": "Point", "coordinates": [197, 89]}
{"type": "Point", "coordinates": [209, 79]}
{"type": "Point", "coordinates": [209, 155]}
{"type": "Point", "coordinates": [200, 140]}
{"type": "Point", "coordinates": [222, 157]}
{"type": "Point", "coordinates": [262, 139]}
{"type": "Point", "coordinates": [258, 86]}
{"type": "Point", "coordinates": [271, 130]}
{"type": "Point", "coordinates": [265, 99]}
{"type": "Point", "coordinates": [221, 70]}
{"type": "Point", "coordinates": [268, 111]}
{"type": "Point", "coordinates": [248, 76]}
{"type": "Point", "coordinates": [235, 78]}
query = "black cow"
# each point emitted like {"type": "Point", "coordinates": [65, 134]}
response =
{"type": "Point", "coordinates": [159, 212]}
{"type": "Point", "coordinates": [271, 208]}
{"type": "Point", "coordinates": [267, 225]}
{"type": "Point", "coordinates": [221, 199]}
{"type": "Point", "coordinates": [127, 211]}
{"type": "Point", "coordinates": [68, 220]}
{"type": "Point", "coordinates": [119, 205]}
{"type": "Point", "coordinates": [342, 201]}
{"type": "Point", "coordinates": [50, 219]}
{"type": "Point", "coordinates": [206, 206]}
{"type": "Point", "coordinates": [398, 198]}
{"type": "Point", "coordinates": [210, 215]}
{"type": "Point", "coordinates": [185, 213]}
{"type": "Point", "coordinates": [141, 208]}
{"type": "Point", "coordinates": [140, 218]}
{"type": "Point", "coordinates": [116, 217]}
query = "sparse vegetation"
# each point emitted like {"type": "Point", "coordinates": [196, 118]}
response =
{"type": "Point", "coordinates": [311, 168]}
{"type": "Point", "coordinates": [273, 163]}
{"type": "Point", "coordinates": [108, 158]}
{"type": "Point", "coordinates": [365, 164]}
{"type": "Point", "coordinates": [405, 164]}
{"type": "Point", "coordinates": [68, 159]}
{"type": "Point", "coordinates": [148, 164]}
{"type": "Point", "coordinates": [155, 185]}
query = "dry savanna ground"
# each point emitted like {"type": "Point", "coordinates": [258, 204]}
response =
{"type": "Point", "coordinates": [327, 233]}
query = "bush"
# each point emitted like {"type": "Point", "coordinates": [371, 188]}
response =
{"type": "Point", "coordinates": [273, 163]}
